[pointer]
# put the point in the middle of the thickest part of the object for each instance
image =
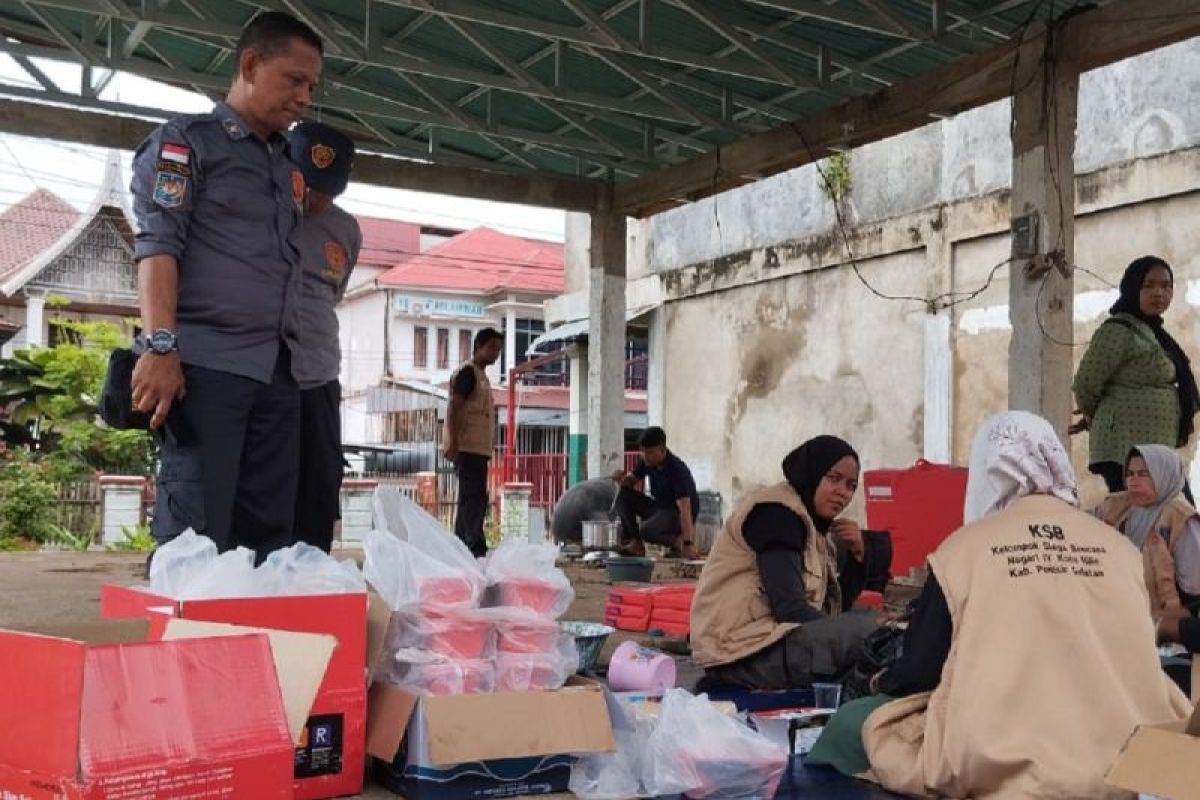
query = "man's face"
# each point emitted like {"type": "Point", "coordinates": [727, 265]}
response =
{"type": "Point", "coordinates": [317, 203]}
{"type": "Point", "coordinates": [654, 456]}
{"type": "Point", "coordinates": [490, 352]}
{"type": "Point", "coordinates": [279, 88]}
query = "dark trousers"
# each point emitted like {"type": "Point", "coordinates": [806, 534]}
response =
{"type": "Point", "coordinates": [229, 462]}
{"type": "Point", "coordinates": [642, 519]}
{"type": "Point", "coordinates": [472, 502]}
{"type": "Point", "coordinates": [318, 497]}
{"type": "Point", "coordinates": [1114, 478]}
{"type": "Point", "coordinates": [825, 649]}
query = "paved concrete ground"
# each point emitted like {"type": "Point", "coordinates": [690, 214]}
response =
{"type": "Point", "coordinates": [49, 589]}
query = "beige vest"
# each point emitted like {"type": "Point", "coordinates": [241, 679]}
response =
{"type": "Point", "coordinates": [731, 617]}
{"type": "Point", "coordinates": [1158, 559]}
{"type": "Point", "coordinates": [1052, 664]}
{"type": "Point", "coordinates": [477, 432]}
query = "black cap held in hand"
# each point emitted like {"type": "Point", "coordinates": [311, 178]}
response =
{"type": "Point", "coordinates": [324, 155]}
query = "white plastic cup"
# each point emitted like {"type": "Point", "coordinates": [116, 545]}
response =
{"type": "Point", "coordinates": [827, 695]}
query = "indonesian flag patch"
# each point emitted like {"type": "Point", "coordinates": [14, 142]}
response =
{"type": "Point", "coordinates": [175, 152]}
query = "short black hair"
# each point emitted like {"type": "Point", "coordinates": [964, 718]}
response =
{"type": "Point", "coordinates": [271, 32]}
{"type": "Point", "coordinates": [485, 336]}
{"type": "Point", "coordinates": [653, 437]}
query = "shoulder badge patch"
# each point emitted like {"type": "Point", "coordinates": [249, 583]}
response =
{"type": "Point", "coordinates": [232, 128]}
{"type": "Point", "coordinates": [335, 260]}
{"type": "Point", "coordinates": [169, 189]}
{"type": "Point", "coordinates": [175, 153]}
{"type": "Point", "coordinates": [323, 155]}
{"type": "Point", "coordinates": [298, 187]}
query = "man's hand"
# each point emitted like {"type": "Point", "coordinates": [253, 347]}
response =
{"type": "Point", "coordinates": [451, 452]}
{"type": "Point", "coordinates": [1082, 424]}
{"type": "Point", "coordinates": [848, 533]}
{"type": "Point", "coordinates": [157, 384]}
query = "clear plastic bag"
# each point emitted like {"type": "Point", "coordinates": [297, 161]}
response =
{"type": "Point", "coordinates": [699, 752]}
{"type": "Point", "coordinates": [524, 575]}
{"type": "Point", "coordinates": [537, 672]}
{"type": "Point", "coordinates": [439, 676]}
{"type": "Point", "coordinates": [231, 574]}
{"type": "Point", "coordinates": [519, 630]}
{"type": "Point", "coordinates": [405, 576]}
{"type": "Point", "coordinates": [177, 561]}
{"type": "Point", "coordinates": [452, 633]}
{"type": "Point", "coordinates": [616, 775]}
{"type": "Point", "coordinates": [305, 570]}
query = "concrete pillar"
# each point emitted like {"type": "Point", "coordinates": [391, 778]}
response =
{"type": "Point", "coordinates": [577, 431]}
{"type": "Point", "coordinates": [656, 382]}
{"type": "Point", "coordinates": [121, 498]}
{"type": "Point", "coordinates": [1041, 291]}
{"type": "Point", "coordinates": [510, 341]}
{"type": "Point", "coordinates": [938, 351]}
{"type": "Point", "coordinates": [606, 344]}
{"type": "Point", "coordinates": [35, 318]}
{"type": "Point", "coordinates": [356, 510]}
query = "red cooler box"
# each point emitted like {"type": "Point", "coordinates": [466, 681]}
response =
{"type": "Point", "coordinates": [919, 506]}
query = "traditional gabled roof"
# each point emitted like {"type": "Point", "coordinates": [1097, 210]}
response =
{"type": "Point", "coordinates": [484, 260]}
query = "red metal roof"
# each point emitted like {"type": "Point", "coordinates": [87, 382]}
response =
{"type": "Point", "coordinates": [31, 226]}
{"type": "Point", "coordinates": [556, 398]}
{"type": "Point", "coordinates": [484, 260]}
{"type": "Point", "coordinates": [387, 242]}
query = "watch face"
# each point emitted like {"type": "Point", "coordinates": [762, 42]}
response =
{"type": "Point", "coordinates": [162, 341]}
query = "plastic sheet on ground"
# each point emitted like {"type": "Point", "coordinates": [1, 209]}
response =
{"type": "Point", "coordinates": [189, 568]}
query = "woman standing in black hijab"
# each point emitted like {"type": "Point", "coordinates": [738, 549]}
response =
{"type": "Point", "coordinates": [1135, 384]}
{"type": "Point", "coordinates": [769, 608]}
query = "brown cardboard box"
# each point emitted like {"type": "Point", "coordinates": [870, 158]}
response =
{"type": "Point", "coordinates": [1162, 760]}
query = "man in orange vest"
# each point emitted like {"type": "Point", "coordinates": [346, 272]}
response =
{"type": "Point", "coordinates": [470, 436]}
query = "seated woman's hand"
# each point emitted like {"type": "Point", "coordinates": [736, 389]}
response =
{"type": "Point", "coordinates": [848, 533]}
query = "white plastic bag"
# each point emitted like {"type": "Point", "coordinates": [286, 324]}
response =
{"type": "Point", "coordinates": [175, 562]}
{"type": "Point", "coordinates": [449, 633]}
{"type": "Point", "coordinates": [230, 574]}
{"type": "Point", "coordinates": [406, 576]}
{"type": "Point", "coordinates": [519, 630]}
{"type": "Point", "coordinates": [524, 575]}
{"type": "Point", "coordinates": [305, 570]}
{"type": "Point", "coordinates": [616, 775]}
{"type": "Point", "coordinates": [537, 672]}
{"type": "Point", "coordinates": [440, 676]}
{"type": "Point", "coordinates": [697, 751]}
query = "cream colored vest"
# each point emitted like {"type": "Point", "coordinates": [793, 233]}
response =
{"type": "Point", "coordinates": [1052, 663]}
{"type": "Point", "coordinates": [731, 617]}
{"type": "Point", "coordinates": [1158, 552]}
{"type": "Point", "coordinates": [478, 432]}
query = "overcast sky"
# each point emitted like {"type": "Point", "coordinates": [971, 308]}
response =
{"type": "Point", "coordinates": [74, 171]}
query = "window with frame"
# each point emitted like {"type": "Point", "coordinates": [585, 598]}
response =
{"type": "Point", "coordinates": [465, 342]}
{"type": "Point", "coordinates": [420, 347]}
{"type": "Point", "coordinates": [443, 348]}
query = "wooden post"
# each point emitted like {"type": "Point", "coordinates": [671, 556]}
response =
{"type": "Point", "coordinates": [606, 344]}
{"type": "Point", "coordinates": [1041, 291]}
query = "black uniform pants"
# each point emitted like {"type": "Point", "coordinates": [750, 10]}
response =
{"type": "Point", "coordinates": [318, 498]}
{"type": "Point", "coordinates": [642, 519]}
{"type": "Point", "coordinates": [229, 463]}
{"type": "Point", "coordinates": [472, 502]}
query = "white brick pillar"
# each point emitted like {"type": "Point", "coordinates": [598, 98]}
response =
{"type": "Point", "coordinates": [121, 506]}
{"type": "Point", "coordinates": [356, 510]}
{"type": "Point", "coordinates": [514, 511]}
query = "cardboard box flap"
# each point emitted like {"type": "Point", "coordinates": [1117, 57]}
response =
{"type": "Point", "coordinates": [300, 662]}
{"type": "Point", "coordinates": [388, 712]}
{"type": "Point", "coordinates": [119, 602]}
{"type": "Point", "coordinates": [1159, 760]}
{"type": "Point", "coordinates": [519, 724]}
{"type": "Point", "coordinates": [42, 681]}
{"type": "Point", "coordinates": [180, 702]}
{"type": "Point", "coordinates": [379, 617]}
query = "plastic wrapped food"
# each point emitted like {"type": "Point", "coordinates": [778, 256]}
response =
{"type": "Point", "coordinates": [536, 672]}
{"type": "Point", "coordinates": [407, 576]}
{"type": "Point", "coordinates": [519, 630]}
{"type": "Point", "coordinates": [453, 633]}
{"type": "Point", "coordinates": [304, 569]}
{"type": "Point", "coordinates": [524, 575]}
{"type": "Point", "coordinates": [175, 562]}
{"type": "Point", "coordinates": [546, 598]}
{"type": "Point", "coordinates": [442, 676]}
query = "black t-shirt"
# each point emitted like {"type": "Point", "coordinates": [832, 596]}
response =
{"type": "Point", "coordinates": [670, 482]}
{"type": "Point", "coordinates": [464, 382]}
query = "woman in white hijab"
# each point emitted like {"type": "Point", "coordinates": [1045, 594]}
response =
{"type": "Point", "coordinates": [1153, 513]}
{"type": "Point", "coordinates": [1029, 659]}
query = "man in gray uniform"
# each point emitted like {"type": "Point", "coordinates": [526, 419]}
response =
{"type": "Point", "coordinates": [217, 200]}
{"type": "Point", "coordinates": [329, 240]}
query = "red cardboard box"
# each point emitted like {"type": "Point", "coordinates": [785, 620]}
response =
{"type": "Point", "coordinates": [101, 714]}
{"type": "Point", "coordinates": [330, 757]}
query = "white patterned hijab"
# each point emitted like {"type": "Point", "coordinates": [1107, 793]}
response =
{"type": "Point", "coordinates": [1016, 454]}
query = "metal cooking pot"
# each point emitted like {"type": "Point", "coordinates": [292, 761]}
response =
{"type": "Point", "coordinates": [601, 534]}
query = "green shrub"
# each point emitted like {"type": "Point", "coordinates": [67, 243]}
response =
{"type": "Point", "coordinates": [28, 499]}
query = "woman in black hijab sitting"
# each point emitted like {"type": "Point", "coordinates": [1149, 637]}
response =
{"type": "Point", "coordinates": [768, 611]}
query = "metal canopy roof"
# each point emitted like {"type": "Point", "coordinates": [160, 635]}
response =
{"type": "Point", "coordinates": [596, 88]}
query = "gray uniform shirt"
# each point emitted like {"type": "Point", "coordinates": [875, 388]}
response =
{"type": "Point", "coordinates": [224, 203]}
{"type": "Point", "coordinates": [328, 245]}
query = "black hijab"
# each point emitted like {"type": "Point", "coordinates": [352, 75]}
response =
{"type": "Point", "coordinates": [805, 466]}
{"type": "Point", "coordinates": [1130, 303]}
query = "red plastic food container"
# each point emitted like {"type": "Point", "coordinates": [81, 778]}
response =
{"type": "Point", "coordinates": [535, 635]}
{"type": "Point", "coordinates": [447, 591]}
{"type": "Point", "coordinates": [535, 595]}
{"type": "Point", "coordinates": [457, 677]}
{"type": "Point", "coordinates": [456, 635]}
{"type": "Point", "coordinates": [528, 672]}
{"type": "Point", "coordinates": [919, 506]}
